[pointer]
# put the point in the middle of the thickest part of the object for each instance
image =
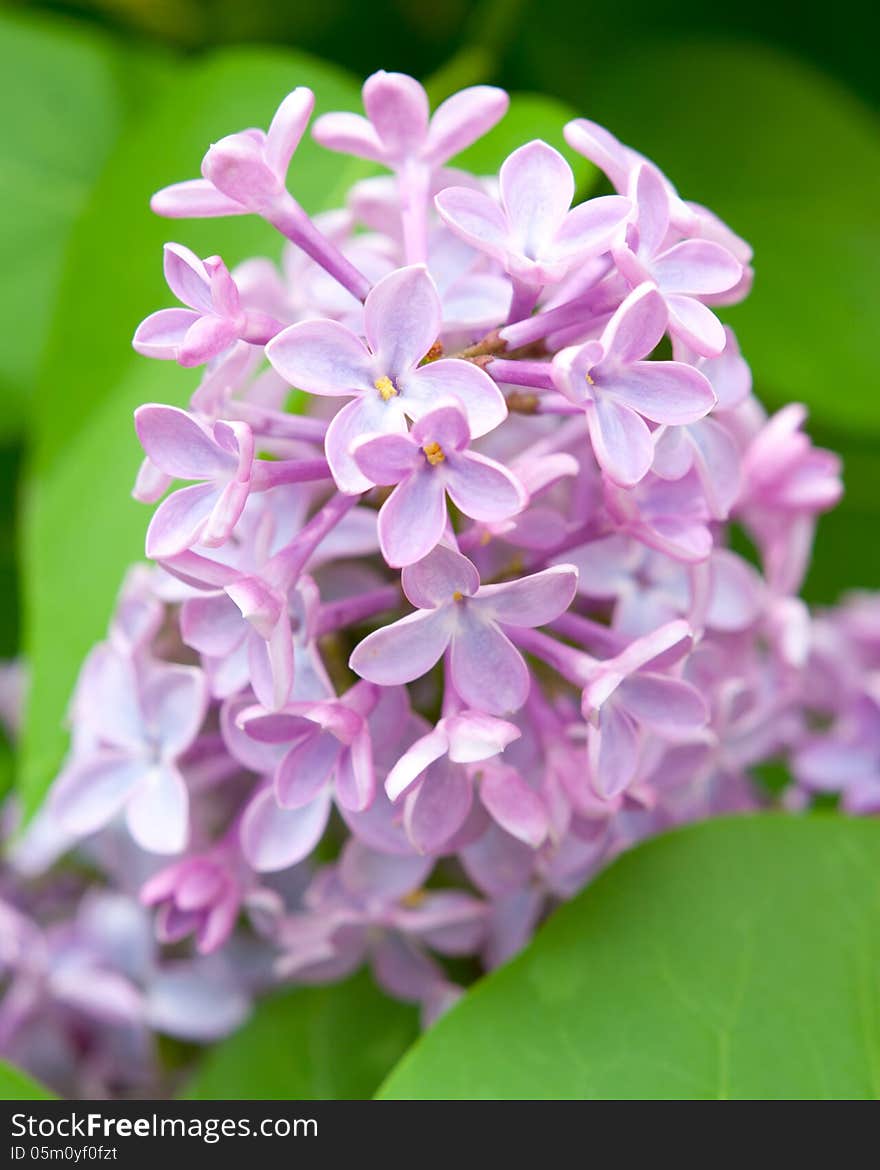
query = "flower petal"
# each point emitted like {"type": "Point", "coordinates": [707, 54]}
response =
{"type": "Point", "coordinates": [322, 357]}
{"type": "Point", "coordinates": [482, 488]}
{"type": "Point", "coordinates": [483, 402]}
{"type": "Point", "coordinates": [405, 650]}
{"type": "Point", "coordinates": [157, 812]}
{"type": "Point", "coordinates": [621, 441]}
{"type": "Point", "coordinates": [462, 119]}
{"type": "Point", "coordinates": [402, 320]}
{"type": "Point", "coordinates": [487, 669]}
{"type": "Point", "coordinates": [180, 521]}
{"type": "Point", "coordinates": [537, 187]}
{"type": "Point", "coordinates": [274, 838]}
{"type": "Point", "coordinates": [413, 518]}
{"type": "Point", "coordinates": [530, 601]}
{"type": "Point", "coordinates": [89, 793]}
{"type": "Point", "coordinates": [517, 808]}
{"type": "Point", "coordinates": [179, 445]}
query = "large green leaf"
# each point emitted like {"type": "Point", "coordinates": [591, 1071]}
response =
{"type": "Point", "coordinates": [792, 161]}
{"type": "Point", "coordinates": [18, 1086]}
{"type": "Point", "coordinates": [66, 93]}
{"type": "Point", "coordinates": [739, 958]}
{"type": "Point", "coordinates": [322, 1043]}
{"type": "Point", "coordinates": [81, 527]}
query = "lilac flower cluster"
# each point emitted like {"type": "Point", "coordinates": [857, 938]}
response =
{"type": "Point", "coordinates": [414, 662]}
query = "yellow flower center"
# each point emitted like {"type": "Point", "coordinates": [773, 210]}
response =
{"type": "Point", "coordinates": [458, 595]}
{"type": "Point", "coordinates": [385, 387]}
{"type": "Point", "coordinates": [413, 899]}
{"type": "Point", "coordinates": [590, 381]}
{"type": "Point", "coordinates": [433, 453]}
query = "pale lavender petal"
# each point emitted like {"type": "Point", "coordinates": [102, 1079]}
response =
{"type": "Point", "coordinates": [212, 625]}
{"type": "Point", "coordinates": [717, 462]}
{"type": "Point", "coordinates": [602, 148]}
{"type": "Point", "coordinates": [537, 187]}
{"type": "Point", "coordinates": [402, 319]}
{"type": "Point", "coordinates": [89, 793]}
{"type": "Point", "coordinates": [322, 357]}
{"type": "Point", "coordinates": [175, 700]}
{"type": "Point", "coordinates": [666, 705]}
{"type": "Point", "coordinates": [187, 278]}
{"type": "Point", "coordinates": [349, 134]}
{"type": "Point", "coordinates": [287, 128]}
{"type": "Point", "coordinates": [435, 580]}
{"type": "Point", "coordinates": [613, 751]}
{"type": "Point", "coordinates": [483, 402]}
{"type": "Point", "coordinates": [387, 458]}
{"type": "Point", "coordinates": [179, 445]}
{"type": "Point", "coordinates": [487, 669]}
{"type": "Point", "coordinates": [697, 268]}
{"type": "Point", "coordinates": [652, 198]}
{"type": "Point", "coordinates": [413, 518]}
{"type": "Point", "coordinates": [664, 392]}
{"type": "Point", "coordinates": [162, 333]}
{"type": "Point", "coordinates": [529, 601]}
{"type": "Point", "coordinates": [194, 199]}
{"type": "Point", "coordinates": [483, 489]}
{"type": "Point", "coordinates": [696, 325]}
{"type": "Point", "coordinates": [306, 769]}
{"type": "Point", "coordinates": [414, 762]}
{"type": "Point", "coordinates": [157, 812]}
{"type": "Point", "coordinates": [405, 650]}
{"type": "Point", "coordinates": [637, 326]}
{"type": "Point", "coordinates": [476, 218]}
{"type": "Point", "coordinates": [737, 592]}
{"type": "Point", "coordinates": [516, 807]}
{"type": "Point", "coordinates": [355, 777]}
{"type": "Point", "coordinates": [474, 736]}
{"type": "Point", "coordinates": [368, 415]}
{"type": "Point", "coordinates": [274, 838]}
{"type": "Point", "coordinates": [397, 106]}
{"type": "Point", "coordinates": [180, 521]}
{"type": "Point", "coordinates": [183, 1001]}
{"type": "Point", "coordinates": [621, 441]}
{"type": "Point", "coordinates": [590, 228]}
{"type": "Point", "coordinates": [462, 119]}
{"type": "Point", "coordinates": [438, 808]}
{"type": "Point", "coordinates": [445, 425]}
{"type": "Point", "coordinates": [380, 875]}
{"type": "Point", "coordinates": [206, 338]}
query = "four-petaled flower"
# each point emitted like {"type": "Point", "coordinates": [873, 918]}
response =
{"type": "Point", "coordinates": [428, 462]}
{"type": "Point", "coordinates": [402, 320]}
{"type": "Point", "coordinates": [534, 232]}
{"type": "Point", "coordinates": [456, 612]}
{"type": "Point", "coordinates": [618, 390]}
{"type": "Point", "coordinates": [214, 320]}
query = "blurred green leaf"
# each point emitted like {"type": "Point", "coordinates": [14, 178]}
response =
{"type": "Point", "coordinates": [81, 527]}
{"type": "Point", "coordinates": [791, 161]}
{"type": "Point", "coordinates": [530, 116]}
{"type": "Point", "coordinates": [18, 1086]}
{"type": "Point", "coordinates": [67, 91]}
{"type": "Point", "coordinates": [315, 1043]}
{"type": "Point", "coordinates": [738, 958]}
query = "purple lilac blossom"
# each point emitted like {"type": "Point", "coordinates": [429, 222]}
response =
{"type": "Point", "coordinates": [413, 663]}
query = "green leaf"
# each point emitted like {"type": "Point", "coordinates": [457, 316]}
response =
{"type": "Point", "coordinates": [791, 160]}
{"type": "Point", "coordinates": [530, 116]}
{"type": "Point", "coordinates": [68, 88]}
{"type": "Point", "coordinates": [18, 1086]}
{"type": "Point", "coordinates": [81, 527]}
{"type": "Point", "coordinates": [319, 1043]}
{"type": "Point", "coordinates": [739, 958]}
